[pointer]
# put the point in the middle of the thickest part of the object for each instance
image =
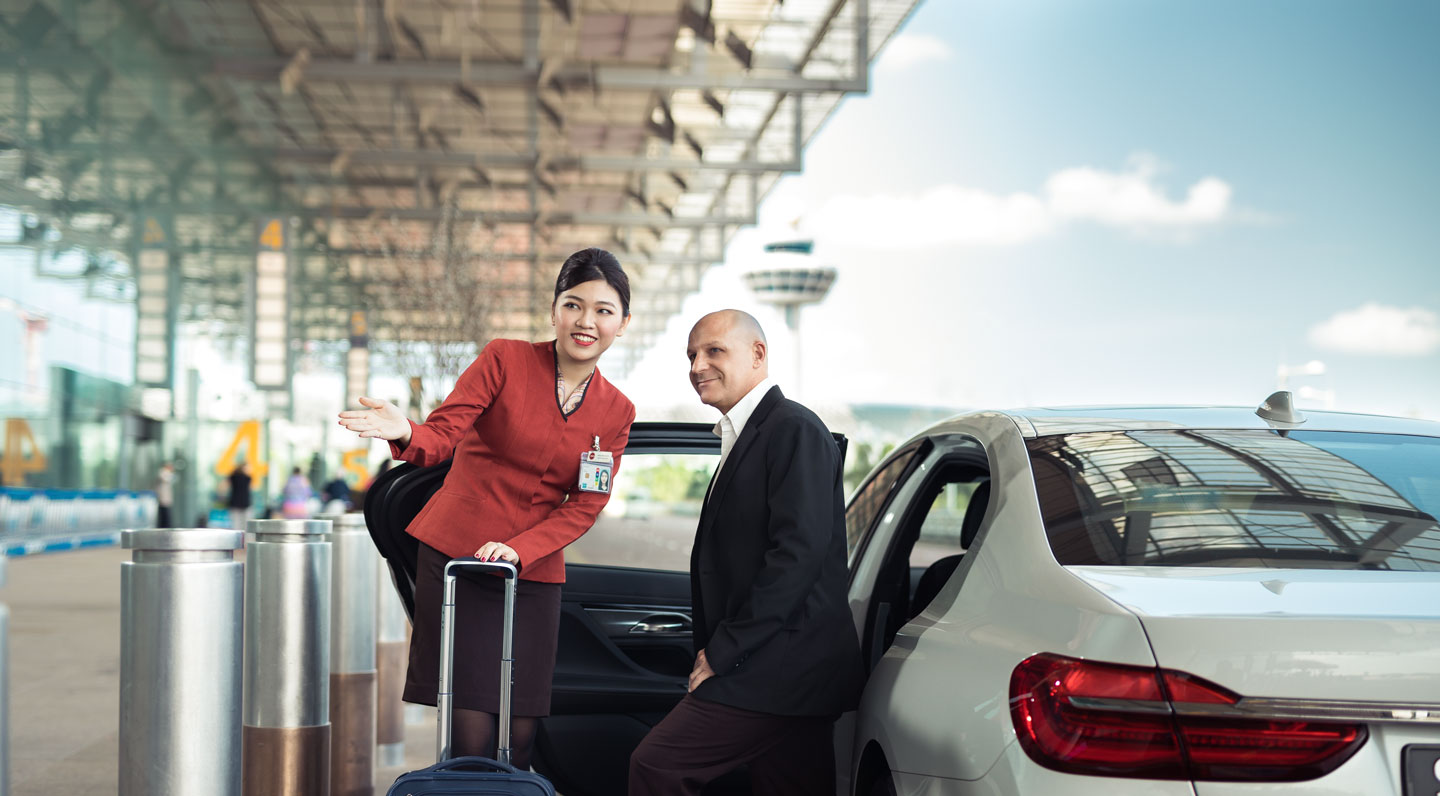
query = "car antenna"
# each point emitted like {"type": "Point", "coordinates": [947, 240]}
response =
{"type": "Point", "coordinates": [1280, 408]}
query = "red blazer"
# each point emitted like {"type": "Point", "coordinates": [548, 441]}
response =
{"type": "Point", "coordinates": [516, 458]}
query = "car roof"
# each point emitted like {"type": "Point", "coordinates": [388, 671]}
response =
{"type": "Point", "coordinates": [1048, 421]}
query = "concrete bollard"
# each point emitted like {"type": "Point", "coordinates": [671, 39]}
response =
{"type": "Point", "coordinates": [286, 735]}
{"type": "Point", "coordinates": [352, 658]}
{"type": "Point", "coordinates": [392, 657]}
{"type": "Point", "coordinates": [180, 604]}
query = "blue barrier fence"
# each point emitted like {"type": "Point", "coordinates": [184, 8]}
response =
{"type": "Point", "coordinates": [52, 520]}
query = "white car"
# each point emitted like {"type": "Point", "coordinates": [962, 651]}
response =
{"type": "Point", "coordinates": [1099, 601]}
{"type": "Point", "coordinates": [1190, 601]}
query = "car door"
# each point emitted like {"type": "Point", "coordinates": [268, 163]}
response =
{"type": "Point", "coordinates": [625, 649]}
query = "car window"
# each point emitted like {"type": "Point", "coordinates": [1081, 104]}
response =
{"type": "Point", "coordinates": [865, 506]}
{"type": "Point", "coordinates": [940, 532]}
{"type": "Point", "coordinates": [1295, 499]}
{"type": "Point", "coordinates": [650, 520]}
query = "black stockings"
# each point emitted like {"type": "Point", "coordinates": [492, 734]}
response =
{"type": "Point", "coordinates": [475, 734]}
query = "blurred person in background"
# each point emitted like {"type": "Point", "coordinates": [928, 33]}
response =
{"type": "Point", "coordinates": [336, 496]}
{"type": "Point", "coordinates": [165, 494]}
{"type": "Point", "coordinates": [239, 501]}
{"type": "Point", "coordinates": [295, 500]}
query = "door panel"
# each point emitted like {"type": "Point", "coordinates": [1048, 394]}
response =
{"type": "Point", "coordinates": [607, 659]}
{"type": "Point", "coordinates": [611, 684]}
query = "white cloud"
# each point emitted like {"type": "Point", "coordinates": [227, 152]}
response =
{"type": "Point", "coordinates": [1132, 200]}
{"type": "Point", "coordinates": [946, 215]}
{"type": "Point", "coordinates": [1377, 329]}
{"type": "Point", "coordinates": [958, 215]}
{"type": "Point", "coordinates": [911, 49]}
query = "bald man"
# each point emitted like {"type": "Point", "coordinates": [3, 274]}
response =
{"type": "Point", "coordinates": [776, 656]}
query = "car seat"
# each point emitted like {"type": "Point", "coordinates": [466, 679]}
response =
{"type": "Point", "coordinates": [938, 573]}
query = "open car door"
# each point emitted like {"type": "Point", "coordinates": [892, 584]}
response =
{"type": "Point", "coordinates": [625, 649]}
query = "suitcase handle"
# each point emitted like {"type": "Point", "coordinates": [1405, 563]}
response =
{"type": "Point", "coordinates": [444, 700]}
{"type": "Point", "coordinates": [474, 763]}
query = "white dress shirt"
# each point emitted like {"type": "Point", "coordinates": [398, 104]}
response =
{"type": "Point", "coordinates": [732, 423]}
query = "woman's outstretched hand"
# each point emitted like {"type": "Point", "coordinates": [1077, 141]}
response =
{"type": "Point", "coordinates": [380, 419]}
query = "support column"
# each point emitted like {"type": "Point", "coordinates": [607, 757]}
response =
{"type": "Point", "coordinates": [286, 732]}
{"type": "Point", "coordinates": [157, 304]}
{"type": "Point", "coordinates": [352, 659]}
{"type": "Point", "coordinates": [357, 360]}
{"type": "Point", "coordinates": [391, 661]}
{"type": "Point", "coordinates": [270, 365]}
{"type": "Point", "coordinates": [180, 621]}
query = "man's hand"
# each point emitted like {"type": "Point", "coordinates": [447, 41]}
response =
{"type": "Point", "coordinates": [701, 672]}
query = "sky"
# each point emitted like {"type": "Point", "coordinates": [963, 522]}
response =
{"type": "Point", "coordinates": [1116, 202]}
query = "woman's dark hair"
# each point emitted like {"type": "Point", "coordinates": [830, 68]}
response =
{"type": "Point", "coordinates": [587, 265]}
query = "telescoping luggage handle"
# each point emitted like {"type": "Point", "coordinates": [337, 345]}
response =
{"type": "Point", "coordinates": [444, 701]}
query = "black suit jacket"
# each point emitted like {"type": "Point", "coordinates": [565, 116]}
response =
{"type": "Point", "coordinates": [768, 573]}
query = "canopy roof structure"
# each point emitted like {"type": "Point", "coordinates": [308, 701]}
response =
{"type": "Point", "coordinates": [433, 161]}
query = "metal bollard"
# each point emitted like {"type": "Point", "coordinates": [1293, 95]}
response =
{"type": "Point", "coordinates": [352, 659]}
{"type": "Point", "coordinates": [180, 602]}
{"type": "Point", "coordinates": [285, 740]}
{"type": "Point", "coordinates": [392, 658]}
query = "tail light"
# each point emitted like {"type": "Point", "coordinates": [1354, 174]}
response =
{"type": "Point", "coordinates": [1110, 719]}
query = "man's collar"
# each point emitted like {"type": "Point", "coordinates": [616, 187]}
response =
{"type": "Point", "coordinates": [739, 414]}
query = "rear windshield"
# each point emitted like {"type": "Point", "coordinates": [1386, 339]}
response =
{"type": "Point", "coordinates": [1303, 499]}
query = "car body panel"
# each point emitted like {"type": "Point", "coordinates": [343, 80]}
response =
{"type": "Point", "coordinates": [1299, 634]}
{"type": "Point", "coordinates": [1015, 773]}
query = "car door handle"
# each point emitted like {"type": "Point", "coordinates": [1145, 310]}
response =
{"type": "Point", "coordinates": [662, 623]}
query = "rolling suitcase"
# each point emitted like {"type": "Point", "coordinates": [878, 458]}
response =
{"type": "Point", "coordinates": [473, 776]}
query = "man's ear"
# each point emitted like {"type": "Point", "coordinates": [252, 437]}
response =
{"type": "Point", "coordinates": [759, 353]}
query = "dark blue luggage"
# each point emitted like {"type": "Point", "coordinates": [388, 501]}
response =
{"type": "Point", "coordinates": [473, 776]}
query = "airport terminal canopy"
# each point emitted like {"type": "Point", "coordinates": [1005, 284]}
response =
{"type": "Point", "coordinates": [430, 162]}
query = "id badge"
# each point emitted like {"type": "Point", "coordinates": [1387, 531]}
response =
{"type": "Point", "coordinates": [595, 470]}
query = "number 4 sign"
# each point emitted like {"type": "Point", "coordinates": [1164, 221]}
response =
{"type": "Point", "coordinates": [16, 462]}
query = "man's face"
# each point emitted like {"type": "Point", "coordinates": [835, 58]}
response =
{"type": "Point", "coordinates": [724, 363]}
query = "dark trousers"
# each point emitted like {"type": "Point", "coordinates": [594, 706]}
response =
{"type": "Point", "coordinates": [700, 740]}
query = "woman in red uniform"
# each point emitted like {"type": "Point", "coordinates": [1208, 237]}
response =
{"type": "Point", "coordinates": [518, 424]}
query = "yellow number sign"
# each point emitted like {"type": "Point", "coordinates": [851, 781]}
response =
{"type": "Point", "coordinates": [248, 435]}
{"type": "Point", "coordinates": [16, 462]}
{"type": "Point", "coordinates": [354, 461]}
{"type": "Point", "coordinates": [154, 233]}
{"type": "Point", "coordinates": [273, 235]}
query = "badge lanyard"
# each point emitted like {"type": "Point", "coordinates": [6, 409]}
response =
{"type": "Point", "coordinates": [596, 466]}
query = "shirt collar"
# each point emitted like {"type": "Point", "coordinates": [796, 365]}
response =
{"type": "Point", "coordinates": [739, 414]}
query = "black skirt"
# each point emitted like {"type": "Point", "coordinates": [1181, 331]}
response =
{"type": "Point", "coordinates": [479, 608]}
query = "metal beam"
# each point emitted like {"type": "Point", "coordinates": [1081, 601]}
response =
{"type": "Point", "coordinates": [505, 73]}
